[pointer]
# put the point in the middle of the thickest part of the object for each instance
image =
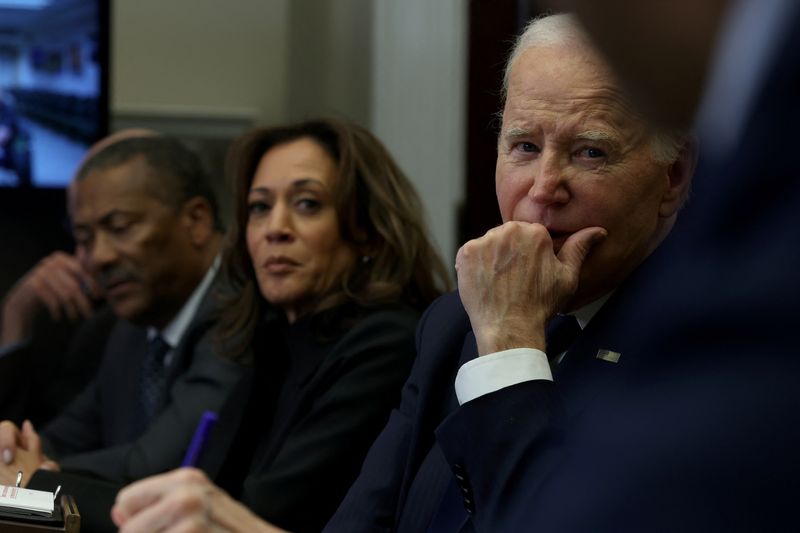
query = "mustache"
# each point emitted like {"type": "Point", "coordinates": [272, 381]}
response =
{"type": "Point", "coordinates": [109, 278]}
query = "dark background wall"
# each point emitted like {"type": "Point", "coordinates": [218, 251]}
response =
{"type": "Point", "coordinates": [493, 27]}
{"type": "Point", "coordinates": [32, 224]}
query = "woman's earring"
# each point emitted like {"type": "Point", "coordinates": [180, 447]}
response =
{"type": "Point", "coordinates": [365, 259]}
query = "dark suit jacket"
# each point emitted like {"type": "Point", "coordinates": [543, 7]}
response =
{"type": "Point", "coordinates": [660, 441]}
{"type": "Point", "coordinates": [40, 377]}
{"type": "Point", "coordinates": [94, 440]}
{"type": "Point", "coordinates": [308, 439]}
{"type": "Point", "coordinates": [695, 429]}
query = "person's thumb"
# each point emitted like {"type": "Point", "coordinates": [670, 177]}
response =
{"type": "Point", "coordinates": [31, 439]}
{"type": "Point", "coordinates": [574, 251]}
{"type": "Point", "coordinates": [51, 465]}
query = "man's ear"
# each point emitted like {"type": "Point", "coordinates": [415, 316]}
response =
{"type": "Point", "coordinates": [679, 175]}
{"type": "Point", "coordinates": [198, 218]}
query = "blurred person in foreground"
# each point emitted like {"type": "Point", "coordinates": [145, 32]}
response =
{"type": "Point", "coordinates": [147, 233]}
{"type": "Point", "coordinates": [329, 267]}
{"type": "Point", "coordinates": [588, 191]}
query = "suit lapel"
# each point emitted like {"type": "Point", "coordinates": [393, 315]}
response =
{"type": "Point", "coordinates": [204, 318]}
{"type": "Point", "coordinates": [607, 348]}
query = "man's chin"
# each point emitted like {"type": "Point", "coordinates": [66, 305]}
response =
{"type": "Point", "coordinates": [128, 308]}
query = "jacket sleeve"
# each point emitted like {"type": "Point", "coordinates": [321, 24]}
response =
{"type": "Point", "coordinates": [493, 445]}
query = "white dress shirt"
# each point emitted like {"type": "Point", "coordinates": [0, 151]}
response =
{"type": "Point", "coordinates": [495, 371]}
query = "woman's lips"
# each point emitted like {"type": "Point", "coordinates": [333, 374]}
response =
{"type": "Point", "coordinates": [280, 265]}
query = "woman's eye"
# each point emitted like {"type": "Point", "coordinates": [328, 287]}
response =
{"type": "Point", "coordinates": [308, 205]}
{"type": "Point", "coordinates": [257, 208]}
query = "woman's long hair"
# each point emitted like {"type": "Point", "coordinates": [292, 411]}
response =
{"type": "Point", "coordinates": [379, 213]}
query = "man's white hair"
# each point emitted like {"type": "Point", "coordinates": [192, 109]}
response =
{"type": "Point", "coordinates": [564, 29]}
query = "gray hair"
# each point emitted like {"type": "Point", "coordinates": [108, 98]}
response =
{"type": "Point", "coordinates": [564, 29]}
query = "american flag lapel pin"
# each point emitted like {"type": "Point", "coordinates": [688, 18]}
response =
{"type": "Point", "coordinates": [608, 355]}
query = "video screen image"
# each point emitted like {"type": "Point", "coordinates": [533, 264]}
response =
{"type": "Point", "coordinates": [51, 85]}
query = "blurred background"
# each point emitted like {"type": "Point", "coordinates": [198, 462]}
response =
{"type": "Point", "coordinates": [423, 75]}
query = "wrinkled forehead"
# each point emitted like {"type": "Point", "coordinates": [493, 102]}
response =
{"type": "Point", "coordinates": [570, 85]}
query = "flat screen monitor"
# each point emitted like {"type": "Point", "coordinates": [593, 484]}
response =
{"type": "Point", "coordinates": [53, 88]}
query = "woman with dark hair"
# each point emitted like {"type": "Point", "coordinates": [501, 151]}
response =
{"type": "Point", "coordinates": [328, 267]}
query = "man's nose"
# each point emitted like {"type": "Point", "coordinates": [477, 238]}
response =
{"type": "Point", "coordinates": [549, 183]}
{"type": "Point", "coordinates": [101, 253]}
{"type": "Point", "coordinates": [279, 224]}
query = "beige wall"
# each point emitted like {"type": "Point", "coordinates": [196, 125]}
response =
{"type": "Point", "coordinates": [329, 61]}
{"type": "Point", "coordinates": [208, 69]}
{"type": "Point", "coordinates": [200, 58]}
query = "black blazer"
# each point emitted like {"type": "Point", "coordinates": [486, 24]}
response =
{"type": "Point", "coordinates": [307, 441]}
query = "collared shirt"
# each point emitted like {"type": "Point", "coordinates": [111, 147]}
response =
{"type": "Point", "coordinates": [505, 368]}
{"type": "Point", "coordinates": [174, 331]}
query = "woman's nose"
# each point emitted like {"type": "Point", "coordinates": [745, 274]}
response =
{"type": "Point", "coordinates": [279, 225]}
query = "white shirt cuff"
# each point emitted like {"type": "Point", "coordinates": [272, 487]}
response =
{"type": "Point", "coordinates": [499, 370]}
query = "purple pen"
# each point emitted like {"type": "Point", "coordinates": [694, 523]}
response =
{"type": "Point", "coordinates": [199, 439]}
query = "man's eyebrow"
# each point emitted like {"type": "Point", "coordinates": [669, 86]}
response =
{"type": "Point", "coordinates": [598, 136]}
{"type": "Point", "coordinates": [515, 133]}
{"type": "Point", "coordinates": [595, 135]}
{"type": "Point", "coordinates": [512, 135]}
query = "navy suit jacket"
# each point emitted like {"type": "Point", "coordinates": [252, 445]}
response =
{"type": "Point", "coordinates": [694, 429]}
{"type": "Point", "coordinates": [664, 440]}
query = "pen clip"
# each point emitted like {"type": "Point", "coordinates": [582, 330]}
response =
{"type": "Point", "coordinates": [55, 494]}
{"type": "Point", "coordinates": [19, 478]}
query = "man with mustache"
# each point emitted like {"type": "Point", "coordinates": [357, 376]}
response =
{"type": "Point", "coordinates": [56, 304]}
{"type": "Point", "coordinates": [148, 233]}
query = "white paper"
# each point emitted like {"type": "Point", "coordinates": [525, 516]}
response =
{"type": "Point", "coordinates": [17, 499]}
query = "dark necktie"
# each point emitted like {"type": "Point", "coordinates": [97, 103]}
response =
{"type": "Point", "coordinates": [561, 332]}
{"type": "Point", "coordinates": [153, 378]}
